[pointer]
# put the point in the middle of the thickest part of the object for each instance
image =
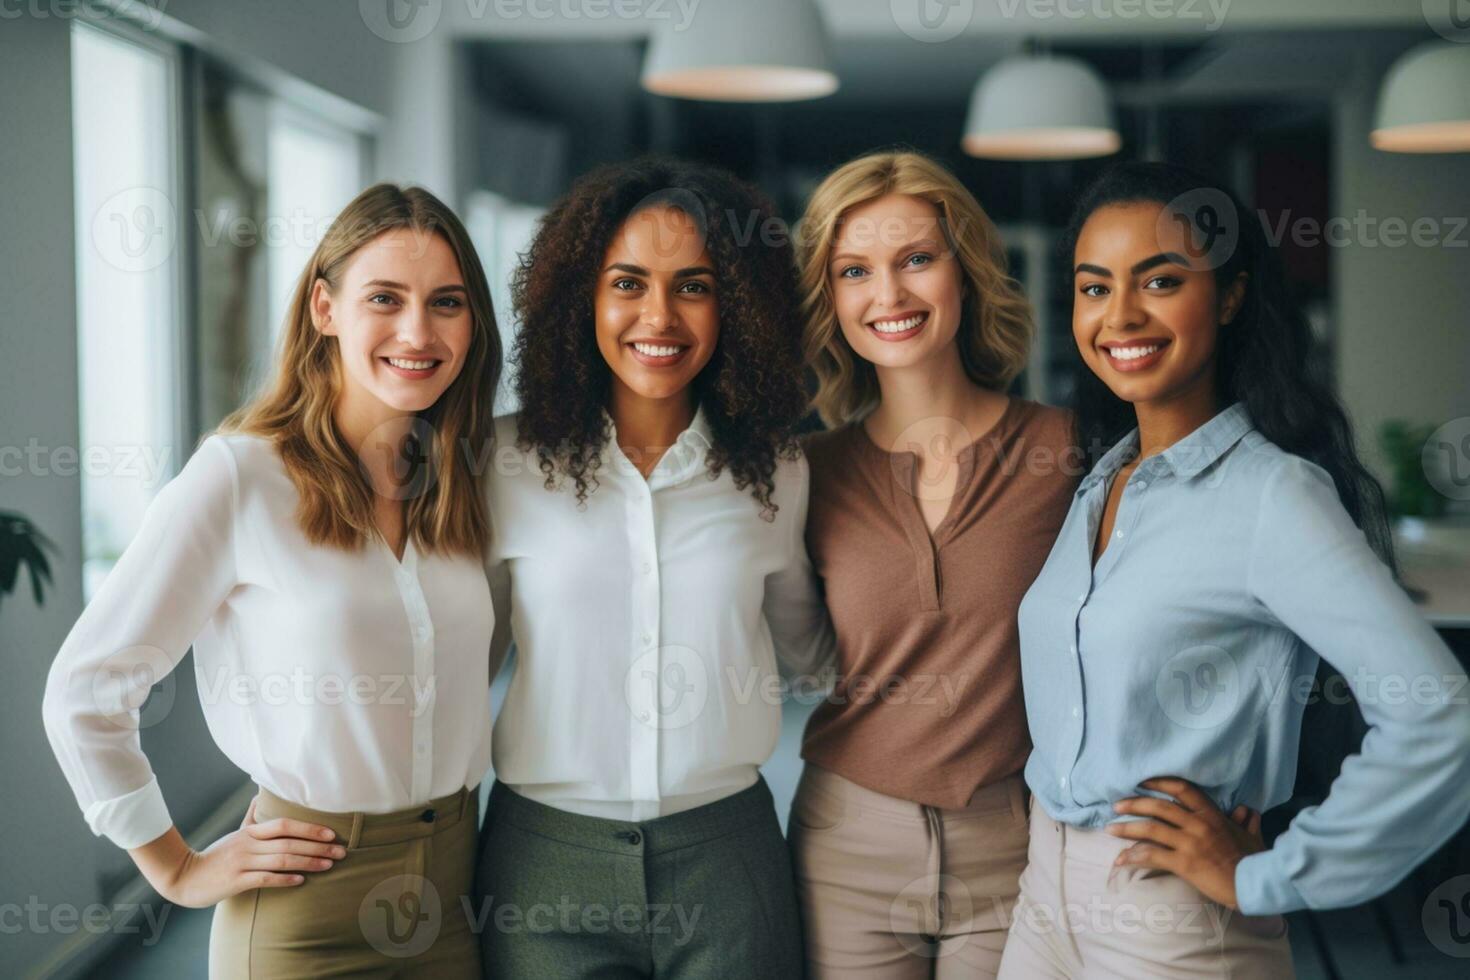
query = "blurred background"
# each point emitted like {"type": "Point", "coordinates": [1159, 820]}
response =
{"type": "Point", "coordinates": [167, 166]}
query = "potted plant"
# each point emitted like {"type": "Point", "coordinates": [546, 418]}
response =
{"type": "Point", "coordinates": [23, 545]}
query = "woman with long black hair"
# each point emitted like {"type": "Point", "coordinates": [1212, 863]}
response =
{"type": "Point", "coordinates": [1226, 535]}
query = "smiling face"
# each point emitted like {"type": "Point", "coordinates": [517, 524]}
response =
{"type": "Point", "coordinates": [656, 310]}
{"type": "Point", "coordinates": [897, 286]}
{"type": "Point", "coordinates": [1146, 316]}
{"type": "Point", "coordinates": [401, 318]}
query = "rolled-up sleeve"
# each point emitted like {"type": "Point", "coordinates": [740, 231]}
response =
{"type": "Point", "coordinates": [1408, 789]}
{"type": "Point", "coordinates": [157, 598]}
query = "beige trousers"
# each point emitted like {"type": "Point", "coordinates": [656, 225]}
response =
{"type": "Point", "coordinates": [398, 905]}
{"type": "Point", "coordinates": [895, 889]}
{"type": "Point", "coordinates": [1080, 917]}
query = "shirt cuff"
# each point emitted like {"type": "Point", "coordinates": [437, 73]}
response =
{"type": "Point", "coordinates": [1261, 888]}
{"type": "Point", "coordinates": [133, 819]}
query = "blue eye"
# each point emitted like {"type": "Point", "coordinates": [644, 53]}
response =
{"type": "Point", "coordinates": [925, 256]}
{"type": "Point", "coordinates": [852, 268]}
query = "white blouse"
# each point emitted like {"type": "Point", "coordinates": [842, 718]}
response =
{"type": "Point", "coordinates": [647, 627]}
{"type": "Point", "coordinates": [337, 680]}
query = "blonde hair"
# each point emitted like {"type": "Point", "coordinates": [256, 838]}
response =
{"type": "Point", "coordinates": [995, 329]}
{"type": "Point", "coordinates": [295, 407]}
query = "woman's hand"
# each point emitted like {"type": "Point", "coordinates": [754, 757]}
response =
{"type": "Point", "coordinates": [274, 854]}
{"type": "Point", "coordinates": [1189, 836]}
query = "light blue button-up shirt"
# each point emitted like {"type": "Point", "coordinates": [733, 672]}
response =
{"type": "Point", "coordinates": [1190, 651]}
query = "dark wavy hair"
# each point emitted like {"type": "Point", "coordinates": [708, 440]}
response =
{"type": "Point", "coordinates": [1266, 359]}
{"type": "Point", "coordinates": [751, 390]}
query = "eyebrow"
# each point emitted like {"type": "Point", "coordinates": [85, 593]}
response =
{"type": "Point", "coordinates": [1144, 266]}
{"type": "Point", "coordinates": [914, 244]}
{"type": "Point", "coordinates": [453, 287]}
{"type": "Point", "coordinates": [638, 270]}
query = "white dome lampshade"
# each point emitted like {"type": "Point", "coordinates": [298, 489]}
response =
{"type": "Point", "coordinates": [1040, 107]}
{"type": "Point", "coordinates": [741, 51]}
{"type": "Point", "coordinates": [1424, 104]}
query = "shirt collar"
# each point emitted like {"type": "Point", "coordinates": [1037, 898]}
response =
{"type": "Point", "coordinates": [1186, 458]}
{"type": "Point", "coordinates": [683, 457]}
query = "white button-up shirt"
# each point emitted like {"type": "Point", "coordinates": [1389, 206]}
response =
{"type": "Point", "coordinates": [337, 680]}
{"type": "Point", "coordinates": [647, 627]}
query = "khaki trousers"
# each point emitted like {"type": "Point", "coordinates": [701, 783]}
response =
{"type": "Point", "coordinates": [398, 905]}
{"type": "Point", "coordinates": [1080, 917]}
{"type": "Point", "coordinates": [895, 889]}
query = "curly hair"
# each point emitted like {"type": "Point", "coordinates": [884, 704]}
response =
{"type": "Point", "coordinates": [751, 389]}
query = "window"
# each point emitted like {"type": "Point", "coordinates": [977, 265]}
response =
{"type": "Point", "coordinates": [314, 171]}
{"type": "Point", "coordinates": [127, 230]}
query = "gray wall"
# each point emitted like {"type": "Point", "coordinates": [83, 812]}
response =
{"type": "Point", "coordinates": [320, 53]}
{"type": "Point", "coordinates": [1402, 311]}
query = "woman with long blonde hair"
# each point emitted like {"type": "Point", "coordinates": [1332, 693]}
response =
{"type": "Point", "coordinates": [321, 553]}
{"type": "Point", "coordinates": [935, 497]}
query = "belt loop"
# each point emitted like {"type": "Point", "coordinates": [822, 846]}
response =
{"type": "Point", "coordinates": [354, 839]}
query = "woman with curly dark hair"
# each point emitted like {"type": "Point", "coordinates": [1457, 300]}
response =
{"type": "Point", "coordinates": [648, 505]}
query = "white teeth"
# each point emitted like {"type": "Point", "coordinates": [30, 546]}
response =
{"type": "Point", "coordinates": [651, 351]}
{"type": "Point", "coordinates": [407, 365]}
{"type": "Point", "coordinates": [898, 326]}
{"type": "Point", "coordinates": [1132, 353]}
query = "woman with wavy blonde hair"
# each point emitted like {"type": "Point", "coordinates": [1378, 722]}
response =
{"type": "Point", "coordinates": [322, 554]}
{"type": "Point", "coordinates": [935, 498]}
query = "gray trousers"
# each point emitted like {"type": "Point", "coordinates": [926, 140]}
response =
{"type": "Point", "coordinates": [703, 893]}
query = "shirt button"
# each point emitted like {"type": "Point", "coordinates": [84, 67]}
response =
{"type": "Point", "coordinates": [1143, 484]}
{"type": "Point", "coordinates": [647, 639]}
{"type": "Point", "coordinates": [647, 568]}
{"type": "Point", "coordinates": [1120, 534]}
{"type": "Point", "coordinates": [1063, 782]}
{"type": "Point", "coordinates": [1074, 648]}
{"type": "Point", "coordinates": [1082, 597]}
{"type": "Point", "coordinates": [1076, 712]}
